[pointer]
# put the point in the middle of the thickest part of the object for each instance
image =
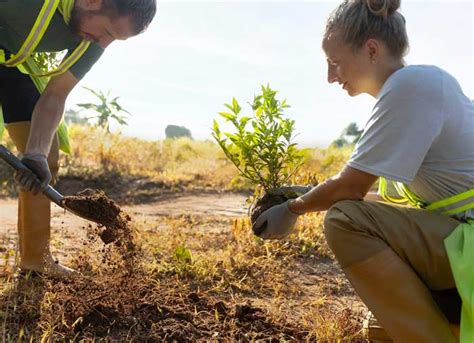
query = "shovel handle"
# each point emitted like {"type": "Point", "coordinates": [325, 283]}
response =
{"type": "Point", "coordinates": [16, 164]}
{"type": "Point", "coordinates": [11, 159]}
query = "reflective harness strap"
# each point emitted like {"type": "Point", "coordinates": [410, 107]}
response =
{"type": "Point", "coordinates": [36, 34]}
{"type": "Point", "coordinates": [383, 184]}
{"type": "Point", "coordinates": [27, 65]}
{"type": "Point", "coordinates": [450, 206]}
{"type": "Point", "coordinates": [455, 204]}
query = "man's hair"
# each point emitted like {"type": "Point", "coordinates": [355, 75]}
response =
{"type": "Point", "coordinates": [141, 12]}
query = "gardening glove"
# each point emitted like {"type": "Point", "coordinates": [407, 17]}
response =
{"type": "Point", "coordinates": [36, 177]}
{"type": "Point", "coordinates": [275, 223]}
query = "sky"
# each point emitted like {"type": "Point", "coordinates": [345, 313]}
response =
{"type": "Point", "coordinates": [197, 55]}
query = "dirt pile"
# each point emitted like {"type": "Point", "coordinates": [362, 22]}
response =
{"type": "Point", "coordinates": [147, 309]}
{"type": "Point", "coordinates": [96, 206]}
{"type": "Point", "coordinates": [113, 226]}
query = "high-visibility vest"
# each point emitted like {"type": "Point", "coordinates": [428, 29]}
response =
{"type": "Point", "coordinates": [459, 245]}
{"type": "Point", "coordinates": [25, 63]}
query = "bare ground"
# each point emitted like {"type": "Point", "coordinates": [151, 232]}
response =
{"type": "Point", "coordinates": [69, 229]}
{"type": "Point", "coordinates": [319, 280]}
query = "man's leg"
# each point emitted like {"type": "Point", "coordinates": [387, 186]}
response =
{"type": "Point", "coordinates": [393, 256]}
{"type": "Point", "coordinates": [34, 214]}
{"type": "Point", "coordinates": [18, 96]}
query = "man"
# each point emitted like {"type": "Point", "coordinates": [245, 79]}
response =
{"type": "Point", "coordinates": [32, 114]}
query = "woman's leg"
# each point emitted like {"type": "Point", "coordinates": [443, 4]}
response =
{"type": "Point", "coordinates": [393, 256]}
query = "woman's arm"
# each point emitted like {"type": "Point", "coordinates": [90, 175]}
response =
{"type": "Point", "coordinates": [371, 196]}
{"type": "Point", "coordinates": [350, 184]}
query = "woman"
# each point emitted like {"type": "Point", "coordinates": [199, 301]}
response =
{"type": "Point", "coordinates": [420, 135]}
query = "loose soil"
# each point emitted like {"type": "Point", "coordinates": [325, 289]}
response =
{"type": "Point", "coordinates": [264, 202]}
{"type": "Point", "coordinates": [96, 206]}
{"type": "Point", "coordinates": [118, 297]}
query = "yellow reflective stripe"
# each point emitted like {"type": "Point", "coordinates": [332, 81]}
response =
{"type": "Point", "coordinates": [36, 33]}
{"type": "Point", "coordinates": [461, 209]}
{"type": "Point", "coordinates": [68, 62]}
{"type": "Point", "coordinates": [2, 56]}
{"type": "Point", "coordinates": [416, 201]}
{"type": "Point", "coordinates": [65, 7]}
{"type": "Point", "coordinates": [385, 196]}
{"type": "Point", "coordinates": [412, 198]}
{"type": "Point", "coordinates": [452, 200]}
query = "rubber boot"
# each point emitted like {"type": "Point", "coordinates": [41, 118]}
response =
{"type": "Point", "coordinates": [34, 216]}
{"type": "Point", "coordinates": [400, 301]}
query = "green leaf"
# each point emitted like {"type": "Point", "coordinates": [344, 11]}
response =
{"type": "Point", "coordinates": [235, 106]}
{"type": "Point", "coordinates": [227, 115]}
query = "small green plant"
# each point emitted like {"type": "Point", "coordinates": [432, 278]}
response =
{"type": "Point", "coordinates": [106, 110]}
{"type": "Point", "coordinates": [182, 255]}
{"type": "Point", "coordinates": [262, 146]}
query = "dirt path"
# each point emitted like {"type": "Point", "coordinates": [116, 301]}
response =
{"type": "Point", "coordinates": [69, 227]}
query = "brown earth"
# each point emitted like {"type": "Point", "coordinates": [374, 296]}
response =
{"type": "Point", "coordinates": [71, 228]}
{"type": "Point", "coordinates": [158, 312]}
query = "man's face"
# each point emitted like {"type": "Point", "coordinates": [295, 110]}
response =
{"type": "Point", "coordinates": [346, 67]}
{"type": "Point", "coordinates": [94, 26]}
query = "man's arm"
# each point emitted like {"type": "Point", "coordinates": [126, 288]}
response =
{"type": "Point", "coordinates": [48, 113]}
{"type": "Point", "coordinates": [350, 184]}
{"type": "Point", "coordinates": [45, 119]}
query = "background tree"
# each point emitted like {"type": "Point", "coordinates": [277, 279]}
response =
{"type": "Point", "coordinates": [350, 135]}
{"type": "Point", "coordinates": [174, 131]}
{"type": "Point", "coordinates": [106, 110]}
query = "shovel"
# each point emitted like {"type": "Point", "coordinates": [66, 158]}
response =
{"type": "Point", "coordinates": [50, 192]}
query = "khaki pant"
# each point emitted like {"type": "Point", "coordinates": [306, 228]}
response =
{"type": "Point", "coordinates": [395, 258]}
{"type": "Point", "coordinates": [357, 230]}
{"type": "Point", "coordinates": [34, 211]}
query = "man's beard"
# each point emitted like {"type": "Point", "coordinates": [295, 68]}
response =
{"type": "Point", "coordinates": [75, 21]}
{"type": "Point", "coordinates": [77, 17]}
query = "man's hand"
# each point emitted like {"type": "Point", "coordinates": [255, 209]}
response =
{"type": "Point", "coordinates": [36, 177]}
{"type": "Point", "coordinates": [275, 223]}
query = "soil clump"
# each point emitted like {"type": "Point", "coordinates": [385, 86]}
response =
{"type": "Point", "coordinates": [96, 206]}
{"type": "Point", "coordinates": [267, 200]}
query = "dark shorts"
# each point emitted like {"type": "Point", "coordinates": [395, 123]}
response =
{"type": "Point", "coordinates": [18, 95]}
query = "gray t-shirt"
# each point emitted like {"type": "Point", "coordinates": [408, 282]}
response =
{"type": "Point", "coordinates": [421, 133]}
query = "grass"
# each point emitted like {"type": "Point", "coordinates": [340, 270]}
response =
{"type": "Point", "coordinates": [197, 277]}
{"type": "Point", "coordinates": [174, 164]}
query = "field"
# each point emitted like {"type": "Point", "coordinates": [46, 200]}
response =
{"type": "Point", "coordinates": [196, 272]}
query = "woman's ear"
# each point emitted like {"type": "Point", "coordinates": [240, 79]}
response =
{"type": "Point", "coordinates": [373, 48]}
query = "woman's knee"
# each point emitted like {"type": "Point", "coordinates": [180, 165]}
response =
{"type": "Point", "coordinates": [337, 222]}
{"type": "Point", "coordinates": [346, 233]}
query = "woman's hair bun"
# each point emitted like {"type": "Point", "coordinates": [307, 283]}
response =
{"type": "Point", "coordinates": [382, 8]}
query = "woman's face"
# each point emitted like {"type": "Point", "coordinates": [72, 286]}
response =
{"type": "Point", "coordinates": [351, 69]}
